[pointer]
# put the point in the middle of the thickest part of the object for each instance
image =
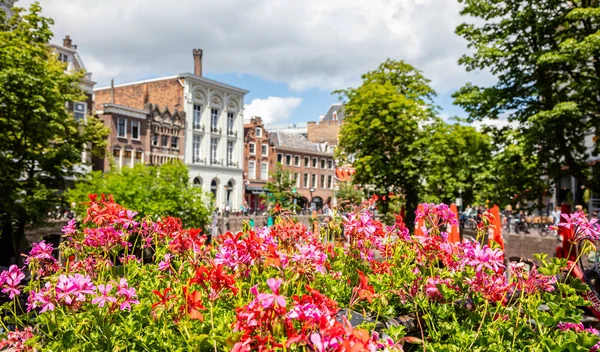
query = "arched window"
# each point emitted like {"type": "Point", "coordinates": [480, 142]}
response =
{"type": "Point", "coordinates": [197, 182]}
{"type": "Point", "coordinates": [213, 188]}
{"type": "Point", "coordinates": [228, 192]}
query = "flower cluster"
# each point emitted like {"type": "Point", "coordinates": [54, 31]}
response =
{"type": "Point", "coordinates": [139, 282]}
{"type": "Point", "coordinates": [10, 281]}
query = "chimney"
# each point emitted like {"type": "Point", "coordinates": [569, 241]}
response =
{"type": "Point", "coordinates": [67, 43]}
{"type": "Point", "coordinates": [112, 91]}
{"type": "Point", "coordinates": [198, 62]}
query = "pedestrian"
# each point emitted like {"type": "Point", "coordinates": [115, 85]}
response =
{"type": "Point", "coordinates": [214, 230]}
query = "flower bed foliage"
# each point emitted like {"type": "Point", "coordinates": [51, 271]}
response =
{"type": "Point", "coordinates": [131, 284]}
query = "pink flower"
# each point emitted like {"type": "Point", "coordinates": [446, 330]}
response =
{"type": "Point", "coordinates": [267, 299]}
{"type": "Point", "coordinates": [128, 295]}
{"type": "Point", "coordinates": [436, 215]}
{"type": "Point", "coordinates": [166, 263]}
{"type": "Point", "coordinates": [70, 228]}
{"type": "Point", "coordinates": [40, 251]}
{"type": "Point", "coordinates": [74, 288]}
{"type": "Point", "coordinates": [15, 340]}
{"type": "Point", "coordinates": [432, 287]}
{"type": "Point", "coordinates": [104, 298]}
{"type": "Point", "coordinates": [10, 280]}
{"type": "Point", "coordinates": [126, 219]}
{"type": "Point", "coordinates": [481, 257]}
{"type": "Point", "coordinates": [42, 299]}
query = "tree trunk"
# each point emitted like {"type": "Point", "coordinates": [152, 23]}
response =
{"type": "Point", "coordinates": [6, 241]}
{"type": "Point", "coordinates": [412, 201]}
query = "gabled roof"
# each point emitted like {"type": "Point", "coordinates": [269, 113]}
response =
{"type": "Point", "coordinates": [337, 109]}
{"type": "Point", "coordinates": [293, 141]}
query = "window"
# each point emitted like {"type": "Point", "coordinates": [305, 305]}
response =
{"type": "Point", "coordinates": [116, 152]}
{"type": "Point", "coordinates": [135, 130]}
{"type": "Point", "coordinates": [329, 181]}
{"type": "Point", "coordinates": [330, 164]}
{"type": "Point", "coordinates": [138, 154]}
{"type": "Point", "coordinates": [264, 171]}
{"type": "Point", "coordinates": [213, 150]}
{"type": "Point", "coordinates": [122, 128]}
{"type": "Point", "coordinates": [230, 120]}
{"type": "Point", "coordinates": [297, 179]}
{"type": "Point", "coordinates": [280, 158]}
{"type": "Point", "coordinates": [314, 162]}
{"type": "Point", "coordinates": [296, 161]}
{"type": "Point", "coordinates": [197, 116]}
{"type": "Point", "coordinates": [258, 132]}
{"type": "Point", "coordinates": [196, 148]}
{"type": "Point", "coordinates": [288, 160]}
{"type": "Point", "coordinates": [323, 181]}
{"type": "Point", "coordinates": [251, 170]}
{"type": "Point", "coordinates": [230, 152]}
{"type": "Point", "coordinates": [155, 140]}
{"type": "Point", "coordinates": [165, 142]}
{"type": "Point", "coordinates": [305, 183]}
{"type": "Point", "coordinates": [63, 57]}
{"type": "Point", "coordinates": [174, 142]}
{"type": "Point", "coordinates": [214, 119]}
{"type": "Point", "coordinates": [252, 148]}
{"type": "Point", "coordinates": [322, 163]}
{"type": "Point", "coordinates": [79, 110]}
{"type": "Point", "coordinates": [313, 181]}
{"type": "Point", "coordinates": [306, 162]}
{"type": "Point", "coordinates": [264, 149]}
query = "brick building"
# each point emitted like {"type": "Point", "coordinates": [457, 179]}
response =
{"type": "Point", "coordinates": [311, 165]}
{"type": "Point", "coordinates": [212, 144]}
{"type": "Point", "coordinates": [150, 136]}
{"type": "Point", "coordinates": [259, 157]}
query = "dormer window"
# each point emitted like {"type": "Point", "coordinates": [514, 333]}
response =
{"type": "Point", "coordinates": [79, 110]}
{"type": "Point", "coordinates": [258, 132]}
{"type": "Point", "coordinates": [63, 57]}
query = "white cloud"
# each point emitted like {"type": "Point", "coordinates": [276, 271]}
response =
{"type": "Point", "coordinates": [498, 123]}
{"type": "Point", "coordinates": [272, 109]}
{"type": "Point", "coordinates": [303, 43]}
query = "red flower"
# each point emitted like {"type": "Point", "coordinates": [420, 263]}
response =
{"type": "Point", "coordinates": [364, 290]}
{"type": "Point", "coordinates": [164, 297]}
{"type": "Point", "coordinates": [193, 304]}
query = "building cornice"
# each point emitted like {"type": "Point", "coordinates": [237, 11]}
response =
{"type": "Point", "coordinates": [214, 83]}
{"type": "Point", "coordinates": [303, 151]}
{"type": "Point", "coordinates": [110, 108]}
{"type": "Point", "coordinates": [189, 76]}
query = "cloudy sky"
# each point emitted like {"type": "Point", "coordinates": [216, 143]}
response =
{"type": "Point", "coordinates": [290, 54]}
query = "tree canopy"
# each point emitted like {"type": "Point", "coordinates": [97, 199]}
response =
{"type": "Point", "coordinates": [545, 55]}
{"type": "Point", "coordinates": [280, 188]}
{"type": "Point", "coordinates": [41, 144]}
{"type": "Point", "coordinates": [149, 190]}
{"type": "Point", "coordinates": [382, 130]}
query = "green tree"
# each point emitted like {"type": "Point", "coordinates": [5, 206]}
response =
{"type": "Point", "coordinates": [382, 131]}
{"type": "Point", "coordinates": [546, 57]}
{"type": "Point", "coordinates": [41, 144]}
{"type": "Point", "coordinates": [162, 190]}
{"type": "Point", "coordinates": [348, 194]}
{"type": "Point", "coordinates": [514, 174]}
{"type": "Point", "coordinates": [279, 188]}
{"type": "Point", "coordinates": [457, 158]}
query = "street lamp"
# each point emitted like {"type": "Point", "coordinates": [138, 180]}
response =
{"type": "Point", "coordinates": [459, 197]}
{"type": "Point", "coordinates": [312, 204]}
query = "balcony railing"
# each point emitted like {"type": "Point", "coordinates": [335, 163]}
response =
{"type": "Point", "coordinates": [216, 162]}
{"type": "Point", "coordinates": [199, 127]}
{"type": "Point", "coordinates": [232, 164]}
{"type": "Point", "coordinates": [216, 130]}
{"type": "Point", "coordinates": [231, 133]}
{"type": "Point", "coordinates": [198, 160]}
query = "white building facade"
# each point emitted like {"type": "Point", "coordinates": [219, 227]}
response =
{"type": "Point", "coordinates": [214, 146]}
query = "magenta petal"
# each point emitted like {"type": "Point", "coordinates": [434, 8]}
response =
{"type": "Point", "coordinates": [254, 290]}
{"type": "Point", "coordinates": [280, 301]}
{"type": "Point", "coordinates": [274, 284]}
